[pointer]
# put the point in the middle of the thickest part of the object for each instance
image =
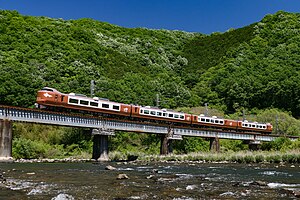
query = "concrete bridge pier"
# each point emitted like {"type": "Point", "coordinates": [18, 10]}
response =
{"type": "Point", "coordinates": [5, 140]}
{"type": "Point", "coordinates": [166, 141]}
{"type": "Point", "coordinates": [165, 145]}
{"type": "Point", "coordinates": [100, 144]}
{"type": "Point", "coordinates": [254, 145]}
{"type": "Point", "coordinates": [214, 144]}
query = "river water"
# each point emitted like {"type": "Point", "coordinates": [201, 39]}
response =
{"type": "Point", "coordinates": [57, 181]}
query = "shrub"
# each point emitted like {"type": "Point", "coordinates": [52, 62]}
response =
{"type": "Point", "coordinates": [259, 158]}
{"type": "Point", "coordinates": [249, 159]}
{"type": "Point", "coordinates": [24, 148]}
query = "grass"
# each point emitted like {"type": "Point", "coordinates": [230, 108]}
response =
{"type": "Point", "coordinates": [292, 156]}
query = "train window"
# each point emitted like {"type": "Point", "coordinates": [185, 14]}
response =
{"type": "Point", "coordinates": [176, 116]}
{"type": "Point", "coordinates": [170, 115]}
{"type": "Point", "coordinates": [115, 107]}
{"type": "Point", "coordinates": [181, 116]}
{"type": "Point", "coordinates": [73, 101]}
{"type": "Point", "coordinates": [159, 113]}
{"type": "Point", "coordinates": [141, 111]}
{"type": "Point", "coordinates": [216, 121]}
{"type": "Point", "coordinates": [152, 112]}
{"type": "Point", "coordinates": [104, 105]}
{"type": "Point", "coordinates": [135, 109]}
{"type": "Point", "coordinates": [222, 122]}
{"type": "Point", "coordinates": [207, 120]}
{"type": "Point", "coordinates": [264, 127]}
{"type": "Point", "coordinates": [62, 97]}
{"type": "Point", "coordinates": [146, 112]}
{"type": "Point", "coordinates": [246, 125]}
{"type": "Point", "coordinates": [83, 102]}
{"type": "Point", "coordinates": [164, 114]}
{"type": "Point", "coordinates": [202, 120]}
{"type": "Point", "coordinates": [94, 104]}
{"type": "Point", "coordinates": [195, 118]}
{"type": "Point", "coordinates": [253, 125]}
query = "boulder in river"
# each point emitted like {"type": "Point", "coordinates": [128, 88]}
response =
{"type": "Point", "coordinates": [109, 167]}
{"type": "Point", "coordinates": [122, 176]}
{"type": "Point", "coordinates": [291, 192]}
{"type": "Point", "coordinates": [259, 183]}
{"type": "Point", "coordinates": [296, 193]}
{"type": "Point", "coordinates": [150, 177]}
{"type": "Point", "coordinates": [2, 179]}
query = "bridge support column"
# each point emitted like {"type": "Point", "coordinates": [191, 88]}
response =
{"type": "Point", "coordinates": [166, 141]}
{"type": "Point", "coordinates": [165, 145]}
{"type": "Point", "coordinates": [214, 145]}
{"type": "Point", "coordinates": [100, 148]}
{"type": "Point", "coordinates": [254, 146]}
{"type": "Point", "coordinates": [5, 140]}
{"type": "Point", "coordinates": [100, 144]}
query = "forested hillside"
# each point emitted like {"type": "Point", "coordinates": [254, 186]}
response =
{"type": "Point", "coordinates": [255, 68]}
{"type": "Point", "coordinates": [128, 65]}
{"type": "Point", "coordinates": [263, 72]}
{"type": "Point", "coordinates": [238, 69]}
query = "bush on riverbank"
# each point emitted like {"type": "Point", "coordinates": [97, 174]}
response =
{"type": "Point", "coordinates": [41, 141]}
{"type": "Point", "coordinates": [292, 156]}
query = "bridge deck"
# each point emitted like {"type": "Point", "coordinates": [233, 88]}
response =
{"type": "Point", "coordinates": [64, 119]}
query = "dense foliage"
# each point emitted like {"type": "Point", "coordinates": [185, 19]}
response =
{"type": "Point", "coordinates": [261, 73]}
{"type": "Point", "coordinates": [254, 69]}
{"type": "Point", "coordinates": [233, 70]}
{"type": "Point", "coordinates": [128, 65]}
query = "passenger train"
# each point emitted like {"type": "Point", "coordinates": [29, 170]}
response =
{"type": "Point", "coordinates": [51, 98]}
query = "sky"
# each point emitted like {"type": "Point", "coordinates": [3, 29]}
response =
{"type": "Point", "coordinates": [202, 16]}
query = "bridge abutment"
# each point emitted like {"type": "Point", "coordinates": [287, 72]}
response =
{"type": "Point", "coordinates": [214, 144]}
{"type": "Point", "coordinates": [5, 140]}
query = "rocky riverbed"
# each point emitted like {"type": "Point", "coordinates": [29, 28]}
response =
{"type": "Point", "coordinates": [135, 180]}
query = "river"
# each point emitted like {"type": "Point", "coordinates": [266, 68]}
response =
{"type": "Point", "coordinates": [176, 181]}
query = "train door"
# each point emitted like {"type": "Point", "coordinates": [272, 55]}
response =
{"type": "Point", "coordinates": [56, 99]}
{"type": "Point", "coordinates": [59, 99]}
{"type": "Point", "coordinates": [135, 110]}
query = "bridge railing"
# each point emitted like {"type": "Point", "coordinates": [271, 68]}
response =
{"type": "Point", "coordinates": [42, 117]}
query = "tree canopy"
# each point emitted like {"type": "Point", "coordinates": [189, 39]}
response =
{"type": "Point", "coordinates": [257, 66]}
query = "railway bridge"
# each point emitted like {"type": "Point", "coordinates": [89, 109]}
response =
{"type": "Point", "coordinates": [101, 128]}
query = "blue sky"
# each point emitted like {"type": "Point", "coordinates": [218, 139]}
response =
{"type": "Point", "coordinates": [204, 16]}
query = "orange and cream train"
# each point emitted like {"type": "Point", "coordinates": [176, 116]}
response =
{"type": "Point", "coordinates": [50, 97]}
